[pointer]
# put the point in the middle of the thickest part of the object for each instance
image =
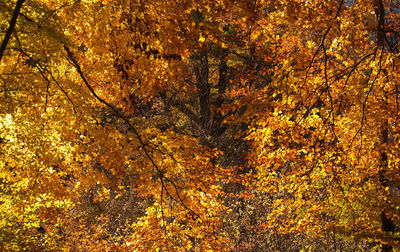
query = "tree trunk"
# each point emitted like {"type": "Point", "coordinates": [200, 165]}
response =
{"type": "Point", "coordinates": [386, 223]}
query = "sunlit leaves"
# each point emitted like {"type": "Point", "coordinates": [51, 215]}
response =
{"type": "Point", "coordinates": [137, 161]}
{"type": "Point", "coordinates": [320, 149]}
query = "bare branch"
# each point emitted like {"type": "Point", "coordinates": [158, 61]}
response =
{"type": "Point", "coordinates": [11, 27]}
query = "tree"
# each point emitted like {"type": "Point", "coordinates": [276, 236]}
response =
{"type": "Point", "coordinates": [323, 150]}
{"type": "Point", "coordinates": [224, 125]}
{"type": "Point", "coordinates": [113, 135]}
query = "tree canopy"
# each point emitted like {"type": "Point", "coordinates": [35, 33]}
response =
{"type": "Point", "coordinates": [149, 125]}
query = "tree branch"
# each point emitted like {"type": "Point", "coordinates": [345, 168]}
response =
{"type": "Point", "coordinates": [11, 27]}
{"type": "Point", "coordinates": [162, 177]}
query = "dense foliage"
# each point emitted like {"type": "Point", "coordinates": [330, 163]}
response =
{"type": "Point", "coordinates": [152, 125]}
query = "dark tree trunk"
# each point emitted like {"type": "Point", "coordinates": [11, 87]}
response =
{"type": "Point", "coordinates": [386, 223]}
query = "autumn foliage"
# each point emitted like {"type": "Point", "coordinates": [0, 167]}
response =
{"type": "Point", "coordinates": [225, 125]}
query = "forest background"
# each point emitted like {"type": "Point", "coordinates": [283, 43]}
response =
{"type": "Point", "coordinates": [252, 125]}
